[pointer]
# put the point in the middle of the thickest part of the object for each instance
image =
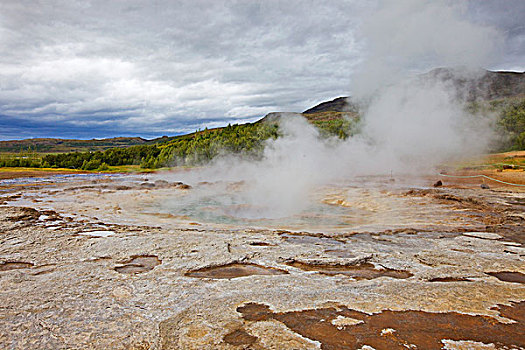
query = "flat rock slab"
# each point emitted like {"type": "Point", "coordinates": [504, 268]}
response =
{"type": "Point", "coordinates": [160, 287]}
{"type": "Point", "coordinates": [483, 235]}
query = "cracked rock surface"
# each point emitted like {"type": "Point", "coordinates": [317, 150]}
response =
{"type": "Point", "coordinates": [455, 282]}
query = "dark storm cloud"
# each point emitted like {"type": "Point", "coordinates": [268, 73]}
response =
{"type": "Point", "coordinates": [100, 68]}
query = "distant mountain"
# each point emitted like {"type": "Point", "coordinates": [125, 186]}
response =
{"type": "Point", "coordinates": [326, 111]}
{"type": "Point", "coordinates": [51, 145]}
{"type": "Point", "coordinates": [340, 104]}
{"type": "Point", "coordinates": [476, 86]}
{"type": "Point", "coordinates": [48, 145]}
{"type": "Point", "coordinates": [485, 85]}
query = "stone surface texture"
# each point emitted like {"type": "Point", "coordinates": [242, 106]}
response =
{"type": "Point", "coordinates": [61, 288]}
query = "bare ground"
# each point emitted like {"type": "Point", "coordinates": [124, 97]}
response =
{"type": "Point", "coordinates": [455, 284]}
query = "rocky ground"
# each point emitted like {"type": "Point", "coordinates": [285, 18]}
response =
{"type": "Point", "coordinates": [86, 281]}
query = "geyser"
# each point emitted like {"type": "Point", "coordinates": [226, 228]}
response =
{"type": "Point", "coordinates": [410, 125]}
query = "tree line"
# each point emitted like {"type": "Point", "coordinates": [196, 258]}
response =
{"type": "Point", "coordinates": [193, 149]}
{"type": "Point", "coordinates": [247, 140]}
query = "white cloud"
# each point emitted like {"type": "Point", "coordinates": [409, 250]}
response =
{"type": "Point", "coordinates": [140, 67]}
{"type": "Point", "coordinates": [408, 35]}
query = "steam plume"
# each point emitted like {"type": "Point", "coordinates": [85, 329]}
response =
{"type": "Point", "coordinates": [409, 124]}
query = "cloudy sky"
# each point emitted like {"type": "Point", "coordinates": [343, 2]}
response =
{"type": "Point", "coordinates": [86, 69]}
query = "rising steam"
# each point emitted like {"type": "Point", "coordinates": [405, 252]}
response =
{"type": "Point", "coordinates": [409, 124]}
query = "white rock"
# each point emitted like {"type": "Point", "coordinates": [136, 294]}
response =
{"type": "Point", "coordinates": [97, 233]}
{"type": "Point", "coordinates": [341, 321]}
{"type": "Point", "coordinates": [465, 344]}
{"type": "Point", "coordinates": [514, 244]}
{"type": "Point", "coordinates": [387, 331]}
{"type": "Point", "coordinates": [485, 235]}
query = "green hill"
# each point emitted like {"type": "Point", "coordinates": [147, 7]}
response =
{"type": "Point", "coordinates": [502, 93]}
{"type": "Point", "coordinates": [49, 145]}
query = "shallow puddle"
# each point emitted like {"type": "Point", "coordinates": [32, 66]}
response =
{"type": "Point", "coordinates": [449, 279]}
{"type": "Point", "coordinates": [234, 270]}
{"type": "Point", "coordinates": [14, 265]}
{"type": "Point", "coordinates": [395, 329]}
{"type": "Point", "coordinates": [359, 272]}
{"type": "Point", "coordinates": [506, 276]}
{"type": "Point", "coordinates": [139, 264]}
{"type": "Point", "coordinates": [261, 244]}
{"type": "Point", "coordinates": [239, 337]}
